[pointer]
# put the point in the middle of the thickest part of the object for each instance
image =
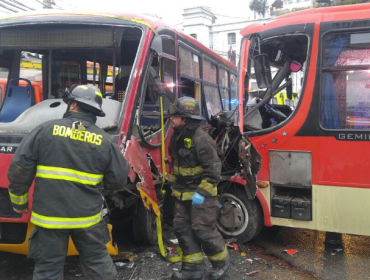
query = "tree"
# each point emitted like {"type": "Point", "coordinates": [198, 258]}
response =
{"type": "Point", "coordinates": [278, 4]}
{"type": "Point", "coordinates": [259, 6]}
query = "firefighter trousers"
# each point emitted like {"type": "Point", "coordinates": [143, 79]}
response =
{"type": "Point", "coordinates": [195, 226]}
{"type": "Point", "coordinates": [48, 248]}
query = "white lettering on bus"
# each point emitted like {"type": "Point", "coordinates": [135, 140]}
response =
{"type": "Point", "coordinates": [6, 149]}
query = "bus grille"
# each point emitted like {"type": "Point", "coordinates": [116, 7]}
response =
{"type": "Point", "coordinates": [6, 208]}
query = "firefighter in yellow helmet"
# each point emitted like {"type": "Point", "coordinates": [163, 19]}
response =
{"type": "Point", "coordinates": [71, 159]}
{"type": "Point", "coordinates": [195, 172]}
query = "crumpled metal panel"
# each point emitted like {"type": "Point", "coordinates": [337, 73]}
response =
{"type": "Point", "coordinates": [138, 161]}
{"type": "Point", "coordinates": [251, 162]}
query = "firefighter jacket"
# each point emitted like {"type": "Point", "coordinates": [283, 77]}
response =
{"type": "Point", "coordinates": [71, 159]}
{"type": "Point", "coordinates": [195, 165]}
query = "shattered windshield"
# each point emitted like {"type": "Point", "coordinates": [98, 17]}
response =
{"type": "Point", "coordinates": [267, 107]}
{"type": "Point", "coordinates": [35, 74]}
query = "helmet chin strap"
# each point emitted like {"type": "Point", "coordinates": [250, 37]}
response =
{"type": "Point", "coordinates": [68, 107]}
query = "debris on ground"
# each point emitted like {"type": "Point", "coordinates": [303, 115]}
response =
{"type": "Point", "coordinates": [233, 245]}
{"type": "Point", "coordinates": [171, 250]}
{"type": "Point", "coordinates": [130, 265]}
{"type": "Point", "coordinates": [125, 257]}
{"type": "Point", "coordinates": [336, 251]}
{"type": "Point", "coordinates": [174, 241]}
{"type": "Point", "coordinates": [242, 254]}
{"type": "Point", "coordinates": [291, 252]}
{"type": "Point", "coordinates": [120, 264]}
{"type": "Point", "coordinates": [149, 255]}
{"type": "Point", "coordinates": [251, 272]}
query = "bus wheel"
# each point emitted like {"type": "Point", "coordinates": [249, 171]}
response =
{"type": "Point", "coordinates": [144, 225]}
{"type": "Point", "coordinates": [239, 218]}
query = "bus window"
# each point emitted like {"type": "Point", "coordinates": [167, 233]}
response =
{"type": "Point", "coordinates": [54, 64]}
{"type": "Point", "coordinates": [224, 87]}
{"type": "Point", "coordinates": [211, 91]}
{"type": "Point", "coordinates": [169, 74]}
{"type": "Point", "coordinates": [213, 101]}
{"type": "Point", "coordinates": [209, 72]}
{"type": "Point", "coordinates": [233, 97]}
{"type": "Point", "coordinates": [149, 114]}
{"type": "Point", "coordinates": [190, 74]}
{"type": "Point", "coordinates": [345, 86]}
{"type": "Point", "coordinates": [282, 52]}
{"type": "Point", "coordinates": [189, 63]}
{"type": "Point", "coordinates": [4, 72]}
{"type": "Point", "coordinates": [65, 73]}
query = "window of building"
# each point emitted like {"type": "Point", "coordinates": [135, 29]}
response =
{"type": "Point", "coordinates": [345, 81]}
{"type": "Point", "coordinates": [194, 35]}
{"type": "Point", "coordinates": [231, 38]}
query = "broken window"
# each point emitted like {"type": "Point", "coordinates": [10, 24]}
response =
{"type": "Point", "coordinates": [224, 87]}
{"type": "Point", "coordinates": [41, 70]}
{"type": "Point", "coordinates": [149, 104]}
{"type": "Point", "coordinates": [233, 96]}
{"type": "Point", "coordinates": [276, 103]}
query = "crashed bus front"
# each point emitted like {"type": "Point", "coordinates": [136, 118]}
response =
{"type": "Point", "coordinates": [140, 65]}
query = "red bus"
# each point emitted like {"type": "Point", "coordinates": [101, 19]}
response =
{"type": "Point", "coordinates": [136, 61]}
{"type": "Point", "coordinates": [315, 151]}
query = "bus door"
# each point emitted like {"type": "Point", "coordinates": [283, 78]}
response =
{"type": "Point", "coordinates": [344, 119]}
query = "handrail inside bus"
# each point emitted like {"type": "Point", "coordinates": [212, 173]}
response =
{"type": "Point", "coordinates": [267, 98]}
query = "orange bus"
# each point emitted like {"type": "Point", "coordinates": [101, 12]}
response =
{"type": "Point", "coordinates": [315, 151]}
{"type": "Point", "coordinates": [139, 63]}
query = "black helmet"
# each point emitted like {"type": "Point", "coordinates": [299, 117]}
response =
{"type": "Point", "coordinates": [88, 98]}
{"type": "Point", "coordinates": [186, 107]}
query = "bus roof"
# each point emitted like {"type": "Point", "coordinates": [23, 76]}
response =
{"type": "Point", "coordinates": [151, 21]}
{"type": "Point", "coordinates": [315, 15]}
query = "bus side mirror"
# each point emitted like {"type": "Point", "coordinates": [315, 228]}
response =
{"type": "Point", "coordinates": [262, 70]}
{"type": "Point", "coordinates": [156, 45]}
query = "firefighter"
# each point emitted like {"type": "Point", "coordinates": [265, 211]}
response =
{"type": "Point", "coordinates": [71, 159]}
{"type": "Point", "coordinates": [195, 170]}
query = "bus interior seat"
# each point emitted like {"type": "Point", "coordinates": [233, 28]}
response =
{"type": "Point", "coordinates": [17, 100]}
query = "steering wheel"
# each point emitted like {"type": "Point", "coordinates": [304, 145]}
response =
{"type": "Point", "coordinates": [275, 112]}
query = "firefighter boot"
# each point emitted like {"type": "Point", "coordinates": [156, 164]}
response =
{"type": "Point", "coordinates": [188, 275]}
{"type": "Point", "coordinates": [219, 270]}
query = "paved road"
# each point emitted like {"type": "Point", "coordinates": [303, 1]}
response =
{"type": "Point", "coordinates": [315, 259]}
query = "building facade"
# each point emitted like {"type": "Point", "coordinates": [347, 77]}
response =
{"type": "Point", "coordinates": [223, 37]}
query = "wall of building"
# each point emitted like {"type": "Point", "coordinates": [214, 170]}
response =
{"type": "Point", "coordinates": [200, 21]}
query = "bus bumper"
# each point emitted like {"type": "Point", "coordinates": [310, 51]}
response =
{"type": "Point", "coordinates": [22, 248]}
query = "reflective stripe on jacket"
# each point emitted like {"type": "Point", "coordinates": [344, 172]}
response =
{"type": "Point", "coordinates": [70, 167]}
{"type": "Point", "coordinates": [197, 168]}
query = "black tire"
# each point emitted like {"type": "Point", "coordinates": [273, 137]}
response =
{"type": "Point", "coordinates": [246, 215]}
{"type": "Point", "coordinates": [144, 225]}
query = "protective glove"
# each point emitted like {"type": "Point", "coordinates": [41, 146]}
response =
{"type": "Point", "coordinates": [197, 199]}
